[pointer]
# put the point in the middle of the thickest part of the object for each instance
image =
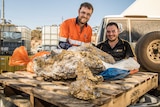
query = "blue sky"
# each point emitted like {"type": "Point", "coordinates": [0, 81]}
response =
{"type": "Point", "coordinates": [37, 13]}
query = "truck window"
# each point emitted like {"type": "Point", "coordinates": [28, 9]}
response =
{"type": "Point", "coordinates": [102, 29]}
{"type": "Point", "coordinates": [140, 27]}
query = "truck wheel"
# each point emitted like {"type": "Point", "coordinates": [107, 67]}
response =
{"type": "Point", "coordinates": [148, 51]}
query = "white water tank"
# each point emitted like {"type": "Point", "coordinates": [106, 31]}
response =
{"type": "Point", "coordinates": [50, 35]}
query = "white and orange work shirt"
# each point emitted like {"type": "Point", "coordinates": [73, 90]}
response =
{"type": "Point", "coordinates": [70, 32]}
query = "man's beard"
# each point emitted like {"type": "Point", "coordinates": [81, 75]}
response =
{"type": "Point", "coordinates": [81, 21]}
{"type": "Point", "coordinates": [112, 40]}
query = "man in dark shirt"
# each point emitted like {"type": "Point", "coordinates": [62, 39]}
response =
{"type": "Point", "coordinates": [118, 48]}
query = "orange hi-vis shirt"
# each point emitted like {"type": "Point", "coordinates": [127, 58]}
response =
{"type": "Point", "coordinates": [70, 32]}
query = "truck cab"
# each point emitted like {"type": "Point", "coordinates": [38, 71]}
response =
{"type": "Point", "coordinates": [142, 32]}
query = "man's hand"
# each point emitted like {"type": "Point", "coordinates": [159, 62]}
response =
{"type": "Point", "coordinates": [64, 45]}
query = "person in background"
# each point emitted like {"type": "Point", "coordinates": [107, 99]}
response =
{"type": "Point", "coordinates": [114, 45]}
{"type": "Point", "coordinates": [76, 31]}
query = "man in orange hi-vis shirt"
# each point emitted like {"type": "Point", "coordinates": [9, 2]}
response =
{"type": "Point", "coordinates": [76, 31]}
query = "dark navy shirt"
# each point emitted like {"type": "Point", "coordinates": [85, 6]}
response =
{"type": "Point", "coordinates": [121, 50]}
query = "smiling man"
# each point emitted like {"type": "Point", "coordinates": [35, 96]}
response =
{"type": "Point", "coordinates": [76, 31]}
{"type": "Point", "coordinates": [117, 47]}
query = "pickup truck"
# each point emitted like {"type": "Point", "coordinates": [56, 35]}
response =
{"type": "Point", "coordinates": [143, 33]}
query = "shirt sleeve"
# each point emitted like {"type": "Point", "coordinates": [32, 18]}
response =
{"type": "Point", "coordinates": [64, 32]}
{"type": "Point", "coordinates": [129, 50]}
